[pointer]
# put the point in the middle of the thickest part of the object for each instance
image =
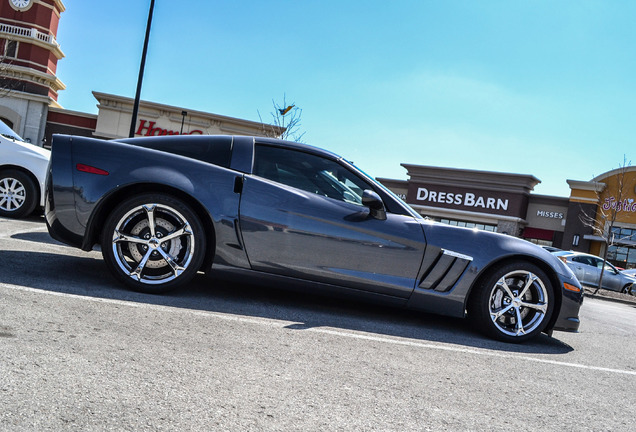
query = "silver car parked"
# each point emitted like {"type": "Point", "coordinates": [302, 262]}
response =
{"type": "Point", "coordinates": [587, 269]}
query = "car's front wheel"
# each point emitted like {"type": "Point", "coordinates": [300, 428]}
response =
{"type": "Point", "coordinates": [513, 303]}
{"type": "Point", "coordinates": [153, 243]}
{"type": "Point", "coordinates": [18, 194]}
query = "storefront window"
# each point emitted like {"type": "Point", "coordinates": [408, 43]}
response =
{"type": "Point", "coordinates": [623, 252]}
{"type": "Point", "coordinates": [631, 258]}
{"type": "Point", "coordinates": [479, 226]}
{"type": "Point", "coordinates": [540, 242]}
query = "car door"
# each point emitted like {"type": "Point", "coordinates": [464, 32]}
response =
{"type": "Point", "coordinates": [580, 267]}
{"type": "Point", "coordinates": [592, 270]}
{"type": "Point", "coordinates": [611, 277]}
{"type": "Point", "coordinates": [301, 215]}
{"type": "Point", "coordinates": [593, 273]}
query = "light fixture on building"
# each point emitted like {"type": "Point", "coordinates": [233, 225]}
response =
{"type": "Point", "coordinates": [575, 240]}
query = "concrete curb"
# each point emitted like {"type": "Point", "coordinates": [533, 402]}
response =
{"type": "Point", "coordinates": [611, 296]}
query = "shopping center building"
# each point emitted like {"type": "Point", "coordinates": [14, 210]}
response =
{"type": "Point", "coordinates": [599, 214]}
{"type": "Point", "coordinates": [493, 201]}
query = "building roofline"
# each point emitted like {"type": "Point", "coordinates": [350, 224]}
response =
{"type": "Point", "coordinates": [73, 113]}
{"type": "Point", "coordinates": [593, 186]}
{"type": "Point", "coordinates": [614, 172]}
{"type": "Point", "coordinates": [480, 179]}
{"type": "Point", "coordinates": [170, 108]}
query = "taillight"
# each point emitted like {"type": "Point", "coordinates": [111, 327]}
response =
{"type": "Point", "coordinates": [90, 169]}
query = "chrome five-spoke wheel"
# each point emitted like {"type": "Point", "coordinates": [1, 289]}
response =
{"type": "Point", "coordinates": [153, 243]}
{"type": "Point", "coordinates": [514, 303]}
{"type": "Point", "coordinates": [518, 303]}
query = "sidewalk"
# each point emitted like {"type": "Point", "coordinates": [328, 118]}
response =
{"type": "Point", "coordinates": [610, 295]}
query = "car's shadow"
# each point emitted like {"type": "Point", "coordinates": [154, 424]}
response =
{"type": "Point", "coordinates": [37, 237]}
{"type": "Point", "coordinates": [87, 276]}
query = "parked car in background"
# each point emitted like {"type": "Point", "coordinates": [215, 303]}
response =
{"type": "Point", "coordinates": [165, 208]}
{"type": "Point", "coordinates": [587, 269]}
{"type": "Point", "coordinates": [22, 174]}
{"type": "Point", "coordinates": [630, 272]}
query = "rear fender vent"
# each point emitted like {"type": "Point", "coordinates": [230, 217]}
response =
{"type": "Point", "coordinates": [443, 269]}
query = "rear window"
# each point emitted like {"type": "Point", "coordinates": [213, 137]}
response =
{"type": "Point", "coordinates": [214, 150]}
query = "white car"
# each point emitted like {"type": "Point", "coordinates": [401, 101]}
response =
{"type": "Point", "coordinates": [22, 174]}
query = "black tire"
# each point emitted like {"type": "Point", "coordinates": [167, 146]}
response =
{"type": "Point", "coordinates": [153, 262]}
{"type": "Point", "coordinates": [628, 289]}
{"type": "Point", "coordinates": [18, 194]}
{"type": "Point", "coordinates": [513, 303]}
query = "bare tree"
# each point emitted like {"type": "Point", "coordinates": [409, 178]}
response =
{"type": "Point", "coordinates": [7, 80]}
{"type": "Point", "coordinates": [612, 200]}
{"type": "Point", "coordinates": [286, 120]}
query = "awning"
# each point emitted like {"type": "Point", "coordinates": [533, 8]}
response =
{"type": "Point", "coordinates": [538, 233]}
{"type": "Point", "coordinates": [616, 242]}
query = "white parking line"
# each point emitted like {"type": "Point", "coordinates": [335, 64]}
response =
{"type": "Point", "coordinates": [333, 332]}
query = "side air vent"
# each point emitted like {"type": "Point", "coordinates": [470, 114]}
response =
{"type": "Point", "coordinates": [443, 269]}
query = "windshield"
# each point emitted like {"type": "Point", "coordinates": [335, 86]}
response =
{"type": "Point", "coordinates": [7, 132]}
{"type": "Point", "coordinates": [384, 188]}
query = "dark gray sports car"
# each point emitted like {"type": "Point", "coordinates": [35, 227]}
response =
{"type": "Point", "coordinates": [164, 208]}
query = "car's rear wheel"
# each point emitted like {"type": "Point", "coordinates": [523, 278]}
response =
{"type": "Point", "coordinates": [513, 303]}
{"type": "Point", "coordinates": [18, 194]}
{"type": "Point", "coordinates": [153, 243]}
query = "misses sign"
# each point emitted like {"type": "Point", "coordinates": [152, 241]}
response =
{"type": "Point", "coordinates": [474, 200]}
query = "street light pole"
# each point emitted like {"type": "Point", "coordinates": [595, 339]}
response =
{"type": "Point", "coordinates": [183, 116]}
{"type": "Point", "coordinates": [133, 121]}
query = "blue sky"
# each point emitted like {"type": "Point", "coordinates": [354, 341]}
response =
{"type": "Point", "coordinates": [546, 88]}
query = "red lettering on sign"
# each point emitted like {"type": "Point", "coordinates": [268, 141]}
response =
{"type": "Point", "coordinates": [151, 130]}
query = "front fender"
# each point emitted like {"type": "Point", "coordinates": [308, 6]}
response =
{"type": "Point", "coordinates": [479, 251]}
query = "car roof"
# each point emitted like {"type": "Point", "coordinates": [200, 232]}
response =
{"type": "Point", "coordinates": [563, 253]}
{"type": "Point", "coordinates": [568, 253]}
{"type": "Point", "coordinates": [258, 140]}
{"type": "Point", "coordinates": [296, 146]}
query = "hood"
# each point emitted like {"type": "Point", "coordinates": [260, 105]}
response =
{"type": "Point", "coordinates": [21, 147]}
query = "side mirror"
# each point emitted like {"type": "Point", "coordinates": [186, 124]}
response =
{"type": "Point", "coordinates": [374, 202]}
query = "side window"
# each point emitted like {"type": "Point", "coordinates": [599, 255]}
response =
{"type": "Point", "coordinates": [578, 260]}
{"type": "Point", "coordinates": [308, 172]}
{"type": "Point", "coordinates": [609, 268]}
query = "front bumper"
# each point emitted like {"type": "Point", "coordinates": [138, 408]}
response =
{"type": "Point", "coordinates": [568, 318]}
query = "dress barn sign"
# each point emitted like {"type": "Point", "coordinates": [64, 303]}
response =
{"type": "Point", "coordinates": [473, 200]}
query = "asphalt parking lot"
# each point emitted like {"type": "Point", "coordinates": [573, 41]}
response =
{"type": "Point", "coordinates": [79, 352]}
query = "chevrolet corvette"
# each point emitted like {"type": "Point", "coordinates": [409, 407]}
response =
{"type": "Point", "coordinates": [260, 209]}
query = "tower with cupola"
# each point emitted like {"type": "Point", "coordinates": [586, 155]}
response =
{"type": "Point", "coordinates": [29, 53]}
